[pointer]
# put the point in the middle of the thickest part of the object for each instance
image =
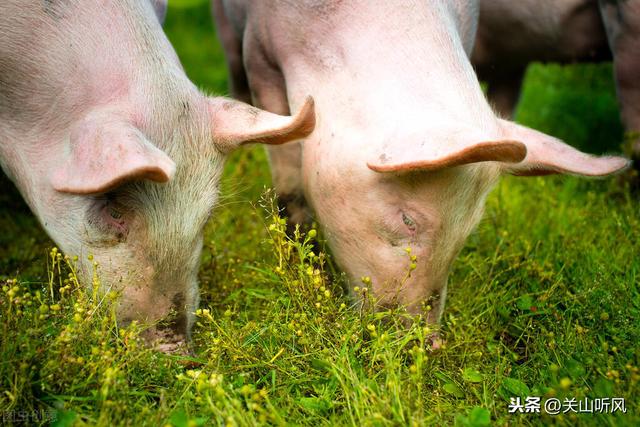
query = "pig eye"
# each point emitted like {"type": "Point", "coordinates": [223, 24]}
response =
{"type": "Point", "coordinates": [114, 213]}
{"type": "Point", "coordinates": [399, 228]}
{"type": "Point", "coordinates": [409, 222]}
{"type": "Point", "coordinates": [110, 217]}
{"type": "Point", "coordinates": [113, 220]}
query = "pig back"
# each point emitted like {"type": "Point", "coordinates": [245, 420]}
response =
{"type": "Point", "coordinates": [57, 57]}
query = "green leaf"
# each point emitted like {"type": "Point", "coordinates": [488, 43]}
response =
{"type": "Point", "coordinates": [63, 418]}
{"type": "Point", "coordinates": [504, 313]}
{"type": "Point", "coordinates": [238, 381]}
{"type": "Point", "coordinates": [515, 387]}
{"type": "Point", "coordinates": [525, 302]}
{"type": "Point", "coordinates": [317, 404]}
{"type": "Point", "coordinates": [453, 389]}
{"type": "Point", "coordinates": [321, 365]}
{"type": "Point", "coordinates": [575, 369]}
{"type": "Point", "coordinates": [603, 387]}
{"type": "Point", "coordinates": [479, 417]}
{"type": "Point", "coordinates": [179, 419]}
{"type": "Point", "coordinates": [258, 293]}
{"type": "Point", "coordinates": [442, 377]}
{"type": "Point", "coordinates": [472, 376]}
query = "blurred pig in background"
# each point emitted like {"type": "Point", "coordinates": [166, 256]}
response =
{"type": "Point", "coordinates": [512, 34]}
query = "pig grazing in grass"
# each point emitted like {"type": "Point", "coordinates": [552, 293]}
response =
{"type": "Point", "coordinates": [406, 148]}
{"type": "Point", "coordinates": [511, 34]}
{"type": "Point", "coordinates": [115, 150]}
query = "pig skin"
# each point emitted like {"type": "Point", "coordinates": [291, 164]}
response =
{"type": "Point", "coordinates": [116, 152]}
{"type": "Point", "coordinates": [406, 147]}
{"type": "Point", "coordinates": [513, 34]}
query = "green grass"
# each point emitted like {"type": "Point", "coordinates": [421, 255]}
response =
{"type": "Point", "coordinates": [543, 301]}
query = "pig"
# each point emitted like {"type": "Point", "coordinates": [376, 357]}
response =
{"type": "Point", "coordinates": [622, 22]}
{"type": "Point", "coordinates": [116, 152]}
{"type": "Point", "coordinates": [513, 34]}
{"type": "Point", "coordinates": [406, 147]}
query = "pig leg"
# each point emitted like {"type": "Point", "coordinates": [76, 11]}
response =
{"type": "Point", "coordinates": [622, 22]}
{"type": "Point", "coordinates": [269, 93]}
{"type": "Point", "coordinates": [286, 172]}
{"type": "Point", "coordinates": [503, 89]}
{"type": "Point", "coordinates": [232, 45]}
{"type": "Point", "coordinates": [285, 160]}
{"type": "Point", "coordinates": [502, 74]}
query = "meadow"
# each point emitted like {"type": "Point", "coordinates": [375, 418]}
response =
{"type": "Point", "coordinates": [543, 301]}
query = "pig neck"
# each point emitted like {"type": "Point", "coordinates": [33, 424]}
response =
{"type": "Point", "coordinates": [380, 79]}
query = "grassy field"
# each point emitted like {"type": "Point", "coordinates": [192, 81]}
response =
{"type": "Point", "coordinates": [543, 301]}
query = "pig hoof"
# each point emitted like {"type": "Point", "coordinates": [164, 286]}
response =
{"type": "Point", "coordinates": [189, 362]}
{"type": "Point", "coordinates": [163, 340]}
{"type": "Point", "coordinates": [435, 342]}
{"type": "Point", "coordinates": [294, 207]}
{"type": "Point", "coordinates": [176, 348]}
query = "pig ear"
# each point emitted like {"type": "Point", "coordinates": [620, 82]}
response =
{"type": "Point", "coordinates": [236, 123]}
{"type": "Point", "coordinates": [103, 157]}
{"type": "Point", "coordinates": [453, 150]}
{"type": "Point", "coordinates": [548, 155]}
{"type": "Point", "coordinates": [160, 7]}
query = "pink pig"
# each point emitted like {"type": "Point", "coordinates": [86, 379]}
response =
{"type": "Point", "coordinates": [115, 150]}
{"type": "Point", "coordinates": [511, 34]}
{"type": "Point", "coordinates": [406, 148]}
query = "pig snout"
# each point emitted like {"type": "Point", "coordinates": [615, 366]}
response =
{"type": "Point", "coordinates": [169, 316]}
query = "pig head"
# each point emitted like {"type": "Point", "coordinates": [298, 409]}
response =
{"type": "Point", "coordinates": [116, 152]}
{"type": "Point", "coordinates": [405, 148]}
